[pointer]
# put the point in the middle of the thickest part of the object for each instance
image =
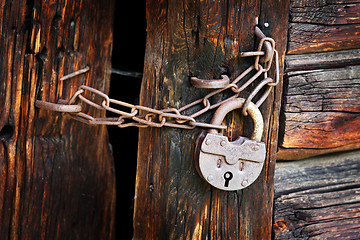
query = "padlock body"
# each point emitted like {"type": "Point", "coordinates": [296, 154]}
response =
{"type": "Point", "coordinates": [230, 165]}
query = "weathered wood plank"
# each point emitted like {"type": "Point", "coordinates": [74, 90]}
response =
{"type": "Point", "coordinates": [56, 174]}
{"type": "Point", "coordinates": [201, 38]}
{"type": "Point", "coordinates": [317, 26]}
{"type": "Point", "coordinates": [330, 90]}
{"type": "Point", "coordinates": [321, 130]}
{"type": "Point", "coordinates": [320, 106]}
{"type": "Point", "coordinates": [318, 198]}
{"type": "Point", "coordinates": [325, 60]}
{"type": "Point", "coordinates": [325, 12]}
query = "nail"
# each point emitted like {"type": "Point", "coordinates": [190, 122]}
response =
{"type": "Point", "coordinates": [74, 74]}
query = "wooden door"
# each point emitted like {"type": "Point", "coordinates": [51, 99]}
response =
{"type": "Point", "coordinates": [203, 39]}
{"type": "Point", "coordinates": [56, 174]}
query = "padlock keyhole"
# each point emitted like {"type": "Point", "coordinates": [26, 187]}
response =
{"type": "Point", "coordinates": [227, 176]}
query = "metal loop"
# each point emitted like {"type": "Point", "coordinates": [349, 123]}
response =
{"type": "Point", "coordinates": [120, 103]}
{"type": "Point", "coordinates": [253, 94]}
{"type": "Point", "coordinates": [83, 117]}
{"type": "Point", "coordinates": [270, 53]}
{"type": "Point", "coordinates": [147, 109]}
{"type": "Point", "coordinates": [252, 79]}
{"type": "Point", "coordinates": [236, 103]}
{"type": "Point", "coordinates": [179, 116]}
{"type": "Point", "coordinates": [176, 117]}
{"type": "Point", "coordinates": [208, 125]}
{"type": "Point", "coordinates": [269, 47]}
{"type": "Point", "coordinates": [130, 124]}
{"type": "Point", "coordinates": [277, 70]}
{"type": "Point", "coordinates": [243, 74]}
{"type": "Point", "coordinates": [176, 125]}
{"type": "Point", "coordinates": [95, 91]}
{"type": "Point", "coordinates": [264, 96]}
{"type": "Point", "coordinates": [75, 96]}
{"type": "Point", "coordinates": [58, 107]}
{"type": "Point", "coordinates": [210, 83]}
{"type": "Point", "coordinates": [149, 122]}
{"type": "Point", "coordinates": [205, 109]}
{"type": "Point", "coordinates": [98, 92]}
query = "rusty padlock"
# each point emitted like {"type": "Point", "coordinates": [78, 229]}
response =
{"type": "Point", "coordinates": [231, 165]}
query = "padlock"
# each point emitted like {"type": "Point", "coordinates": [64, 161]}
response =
{"type": "Point", "coordinates": [231, 165]}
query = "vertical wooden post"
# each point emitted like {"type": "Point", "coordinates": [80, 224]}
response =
{"type": "Point", "coordinates": [56, 174]}
{"type": "Point", "coordinates": [203, 39]}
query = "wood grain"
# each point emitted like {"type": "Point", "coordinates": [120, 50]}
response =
{"type": "Point", "coordinates": [56, 174]}
{"type": "Point", "coordinates": [318, 26]}
{"type": "Point", "coordinates": [321, 105]}
{"type": "Point", "coordinates": [318, 198]}
{"type": "Point", "coordinates": [203, 39]}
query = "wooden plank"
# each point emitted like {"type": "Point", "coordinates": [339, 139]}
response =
{"type": "Point", "coordinates": [201, 38]}
{"type": "Point", "coordinates": [325, 60]}
{"type": "Point", "coordinates": [325, 12]}
{"type": "Point", "coordinates": [317, 26]}
{"type": "Point", "coordinates": [330, 90]}
{"type": "Point", "coordinates": [318, 198]}
{"type": "Point", "coordinates": [56, 174]}
{"type": "Point", "coordinates": [320, 104]}
{"type": "Point", "coordinates": [321, 130]}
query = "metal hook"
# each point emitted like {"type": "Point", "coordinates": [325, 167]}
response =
{"type": "Point", "coordinates": [58, 107]}
{"type": "Point", "coordinates": [74, 74]}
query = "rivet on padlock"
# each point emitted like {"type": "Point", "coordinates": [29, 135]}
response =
{"type": "Point", "coordinates": [231, 165]}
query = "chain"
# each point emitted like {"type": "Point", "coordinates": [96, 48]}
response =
{"type": "Point", "coordinates": [141, 116]}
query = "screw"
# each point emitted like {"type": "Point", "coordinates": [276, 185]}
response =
{"type": "Point", "coordinates": [266, 24]}
{"type": "Point", "coordinates": [255, 147]}
{"type": "Point", "coordinates": [218, 163]}
{"type": "Point", "coordinates": [210, 178]}
{"type": "Point", "coordinates": [244, 183]}
{"type": "Point", "coordinates": [222, 143]}
{"type": "Point", "coordinates": [208, 142]}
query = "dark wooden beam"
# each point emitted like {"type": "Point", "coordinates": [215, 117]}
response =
{"type": "Point", "coordinates": [56, 174]}
{"type": "Point", "coordinates": [203, 39]}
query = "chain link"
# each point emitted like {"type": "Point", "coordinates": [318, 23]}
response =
{"type": "Point", "coordinates": [172, 117]}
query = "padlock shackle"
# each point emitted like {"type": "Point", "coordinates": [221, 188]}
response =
{"type": "Point", "coordinates": [236, 103]}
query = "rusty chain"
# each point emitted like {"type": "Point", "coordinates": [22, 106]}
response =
{"type": "Point", "coordinates": [141, 116]}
